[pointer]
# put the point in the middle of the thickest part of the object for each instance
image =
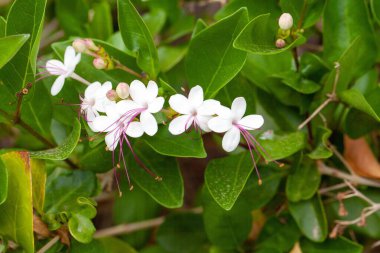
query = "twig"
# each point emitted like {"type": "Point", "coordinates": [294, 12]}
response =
{"type": "Point", "coordinates": [126, 69]}
{"type": "Point", "coordinates": [330, 98]}
{"type": "Point", "coordinates": [332, 188]}
{"type": "Point", "coordinates": [48, 245]}
{"type": "Point", "coordinates": [342, 159]}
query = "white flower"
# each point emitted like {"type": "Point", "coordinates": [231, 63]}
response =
{"type": "Point", "coordinates": [233, 123]}
{"type": "Point", "coordinates": [95, 100]}
{"type": "Point", "coordinates": [146, 102]}
{"type": "Point", "coordinates": [118, 124]}
{"type": "Point", "coordinates": [194, 109]}
{"type": "Point", "coordinates": [63, 69]}
{"type": "Point", "coordinates": [286, 21]}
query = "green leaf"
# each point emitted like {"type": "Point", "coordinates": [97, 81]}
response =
{"type": "Point", "coordinates": [367, 123]}
{"type": "Point", "coordinates": [184, 145]}
{"type": "Point", "coordinates": [17, 210]}
{"type": "Point", "coordinates": [137, 37]}
{"type": "Point", "coordinates": [73, 16]}
{"type": "Point", "coordinates": [211, 60]}
{"type": "Point", "coordinates": [225, 229]}
{"type": "Point", "coordinates": [255, 8]}
{"type": "Point", "coordinates": [356, 99]}
{"type": "Point", "coordinates": [282, 146]}
{"type": "Point", "coordinates": [311, 218]}
{"type": "Point", "coordinates": [81, 228]}
{"type": "Point", "coordinates": [64, 150]}
{"type": "Point", "coordinates": [200, 25]}
{"type": "Point", "coordinates": [3, 183]}
{"type": "Point", "coordinates": [226, 177]}
{"type": "Point", "coordinates": [103, 245]}
{"type": "Point", "coordinates": [338, 245]}
{"type": "Point", "coordinates": [170, 56]}
{"type": "Point", "coordinates": [21, 69]}
{"type": "Point", "coordinates": [322, 150]}
{"type": "Point", "coordinates": [375, 8]}
{"type": "Point", "coordinates": [10, 45]}
{"type": "Point", "coordinates": [259, 37]}
{"type": "Point", "coordinates": [182, 233]}
{"type": "Point", "coordinates": [169, 191]}
{"type": "Point", "coordinates": [101, 25]}
{"type": "Point", "coordinates": [155, 20]}
{"type": "Point", "coordinates": [297, 82]}
{"type": "Point", "coordinates": [310, 9]}
{"type": "Point", "coordinates": [3, 25]}
{"type": "Point", "coordinates": [38, 184]}
{"type": "Point", "coordinates": [303, 182]}
{"type": "Point", "coordinates": [96, 159]}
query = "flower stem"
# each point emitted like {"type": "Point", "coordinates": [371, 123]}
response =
{"type": "Point", "coordinates": [48, 245]}
{"type": "Point", "coordinates": [80, 79]}
{"type": "Point", "coordinates": [118, 65]}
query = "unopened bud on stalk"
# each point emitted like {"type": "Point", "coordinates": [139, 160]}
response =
{"type": "Point", "coordinates": [91, 45]}
{"type": "Point", "coordinates": [286, 21]}
{"type": "Point", "coordinates": [111, 95]}
{"type": "Point", "coordinates": [79, 45]}
{"type": "Point", "coordinates": [280, 43]}
{"type": "Point", "coordinates": [122, 90]}
{"type": "Point", "coordinates": [99, 63]}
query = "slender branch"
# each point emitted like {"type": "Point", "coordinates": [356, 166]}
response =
{"type": "Point", "coordinates": [342, 159]}
{"type": "Point", "coordinates": [126, 69]}
{"type": "Point", "coordinates": [48, 245]}
{"type": "Point", "coordinates": [332, 188]}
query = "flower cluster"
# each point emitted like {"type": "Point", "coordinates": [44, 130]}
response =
{"type": "Point", "coordinates": [128, 110]}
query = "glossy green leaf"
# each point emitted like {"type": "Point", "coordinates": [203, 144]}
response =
{"type": "Point", "coordinates": [101, 24]}
{"type": "Point", "coordinates": [296, 82]}
{"type": "Point", "coordinates": [310, 9]}
{"type": "Point", "coordinates": [226, 177]}
{"type": "Point", "coordinates": [38, 183]}
{"type": "Point", "coordinates": [81, 228]}
{"type": "Point", "coordinates": [3, 183]}
{"type": "Point", "coordinates": [169, 191]}
{"type": "Point", "coordinates": [64, 150]}
{"type": "Point", "coordinates": [311, 218]}
{"type": "Point", "coordinates": [103, 245]}
{"type": "Point", "coordinates": [367, 124]}
{"type": "Point", "coordinates": [211, 60]}
{"type": "Point", "coordinates": [259, 37]}
{"type": "Point", "coordinates": [184, 145]}
{"type": "Point", "coordinates": [303, 182]}
{"type": "Point", "coordinates": [137, 37]}
{"type": "Point", "coordinates": [10, 45]}
{"type": "Point", "coordinates": [375, 8]}
{"type": "Point", "coordinates": [73, 16]}
{"type": "Point", "coordinates": [155, 20]}
{"type": "Point", "coordinates": [255, 8]}
{"type": "Point", "coordinates": [225, 229]}
{"type": "Point", "coordinates": [200, 25]}
{"type": "Point", "coordinates": [96, 159]}
{"type": "Point", "coordinates": [313, 67]}
{"type": "Point", "coordinates": [17, 210]}
{"type": "Point", "coordinates": [322, 150]}
{"type": "Point", "coordinates": [182, 233]}
{"type": "Point", "coordinates": [170, 56]}
{"type": "Point", "coordinates": [338, 245]}
{"type": "Point", "coordinates": [282, 146]}
{"type": "Point", "coordinates": [3, 25]}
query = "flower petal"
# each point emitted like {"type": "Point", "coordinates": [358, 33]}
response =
{"type": "Point", "coordinates": [151, 91]}
{"type": "Point", "coordinates": [69, 58]}
{"type": "Point", "coordinates": [149, 123]}
{"type": "Point", "coordinates": [57, 85]}
{"type": "Point", "coordinates": [103, 124]}
{"type": "Point", "coordinates": [55, 67]}
{"type": "Point", "coordinates": [231, 139]}
{"type": "Point", "coordinates": [238, 108]}
{"type": "Point", "coordinates": [91, 90]}
{"type": "Point", "coordinates": [202, 122]}
{"type": "Point", "coordinates": [224, 112]}
{"type": "Point", "coordinates": [252, 122]}
{"type": "Point", "coordinates": [101, 104]}
{"type": "Point", "coordinates": [209, 107]}
{"type": "Point", "coordinates": [112, 139]}
{"type": "Point", "coordinates": [196, 96]}
{"type": "Point", "coordinates": [219, 124]}
{"type": "Point", "coordinates": [180, 104]}
{"type": "Point", "coordinates": [135, 130]}
{"type": "Point", "coordinates": [102, 92]}
{"type": "Point", "coordinates": [156, 105]}
{"type": "Point", "coordinates": [137, 91]}
{"type": "Point", "coordinates": [127, 106]}
{"type": "Point", "coordinates": [180, 124]}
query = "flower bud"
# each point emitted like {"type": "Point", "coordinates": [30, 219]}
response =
{"type": "Point", "coordinates": [122, 90]}
{"type": "Point", "coordinates": [91, 45]}
{"type": "Point", "coordinates": [111, 95]}
{"type": "Point", "coordinates": [280, 43]}
{"type": "Point", "coordinates": [99, 63]}
{"type": "Point", "coordinates": [79, 45]}
{"type": "Point", "coordinates": [286, 21]}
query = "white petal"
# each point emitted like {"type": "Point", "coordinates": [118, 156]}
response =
{"type": "Point", "coordinates": [224, 112]}
{"type": "Point", "coordinates": [55, 67]}
{"type": "Point", "coordinates": [156, 105]}
{"type": "Point", "coordinates": [112, 139]}
{"type": "Point", "coordinates": [126, 106]}
{"type": "Point", "coordinates": [135, 129]}
{"type": "Point", "coordinates": [196, 96]}
{"type": "Point", "coordinates": [202, 122]}
{"type": "Point", "coordinates": [101, 104]}
{"type": "Point", "coordinates": [69, 57]}
{"type": "Point", "coordinates": [238, 108]}
{"type": "Point", "coordinates": [107, 86]}
{"type": "Point", "coordinates": [91, 90]}
{"type": "Point", "coordinates": [219, 124]}
{"type": "Point", "coordinates": [180, 124]}
{"type": "Point", "coordinates": [252, 122]}
{"type": "Point", "coordinates": [180, 104]}
{"type": "Point", "coordinates": [103, 124]}
{"type": "Point", "coordinates": [137, 92]}
{"type": "Point", "coordinates": [148, 123]}
{"type": "Point", "coordinates": [151, 91]}
{"type": "Point", "coordinates": [57, 85]}
{"type": "Point", "coordinates": [231, 139]}
{"type": "Point", "coordinates": [209, 107]}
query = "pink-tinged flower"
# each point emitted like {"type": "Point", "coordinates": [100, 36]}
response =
{"type": "Point", "coordinates": [63, 69]}
{"type": "Point", "coordinates": [285, 22]}
{"type": "Point", "coordinates": [95, 100]}
{"type": "Point", "coordinates": [145, 101]}
{"type": "Point", "coordinates": [195, 111]}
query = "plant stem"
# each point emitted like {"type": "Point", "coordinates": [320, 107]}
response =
{"type": "Point", "coordinates": [48, 245]}
{"type": "Point", "coordinates": [126, 69]}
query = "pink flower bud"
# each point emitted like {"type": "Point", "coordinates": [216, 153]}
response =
{"type": "Point", "coordinates": [91, 45]}
{"type": "Point", "coordinates": [111, 95]}
{"type": "Point", "coordinates": [286, 21]}
{"type": "Point", "coordinates": [122, 90]}
{"type": "Point", "coordinates": [79, 45]}
{"type": "Point", "coordinates": [280, 43]}
{"type": "Point", "coordinates": [99, 63]}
